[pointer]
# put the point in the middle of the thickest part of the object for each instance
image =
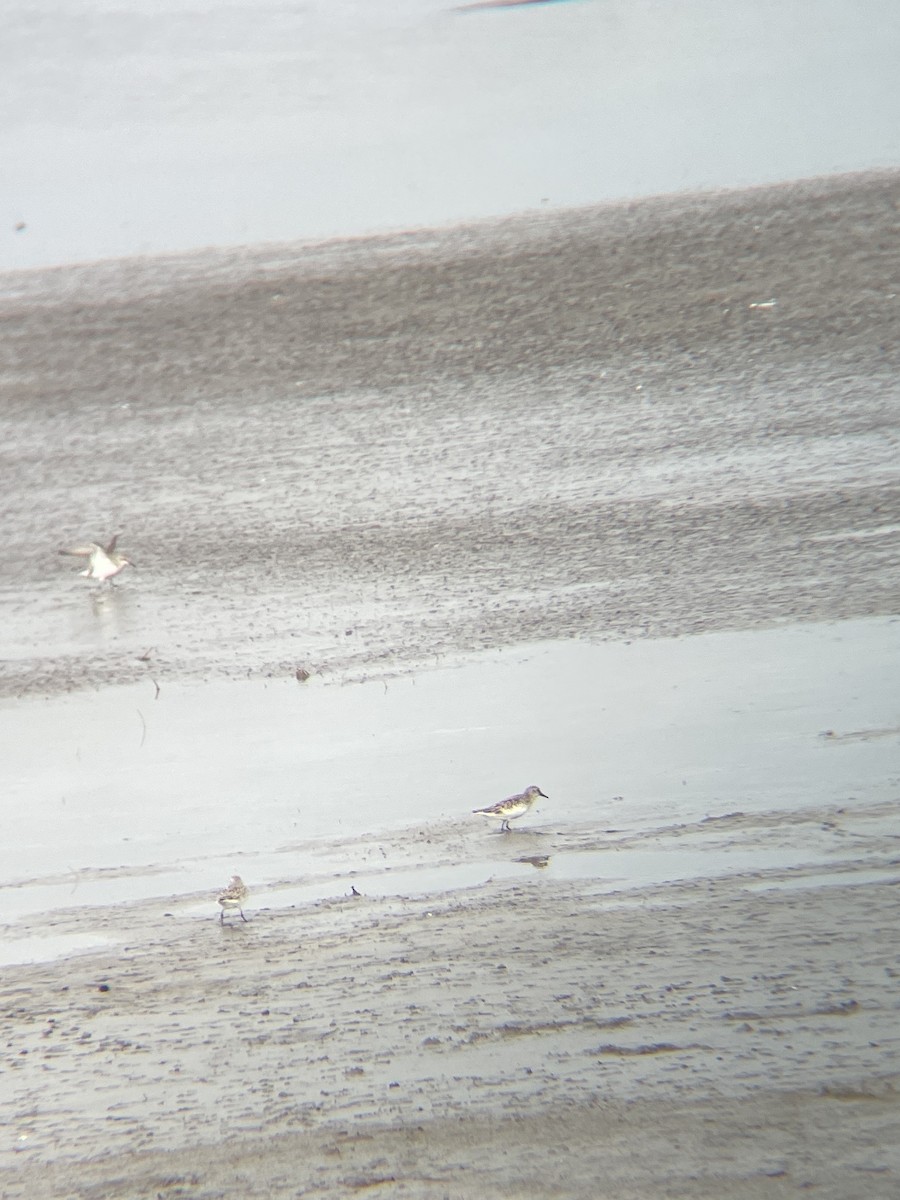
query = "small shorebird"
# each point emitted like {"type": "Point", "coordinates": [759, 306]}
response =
{"type": "Point", "coordinates": [512, 807]}
{"type": "Point", "coordinates": [103, 561]}
{"type": "Point", "coordinates": [233, 897]}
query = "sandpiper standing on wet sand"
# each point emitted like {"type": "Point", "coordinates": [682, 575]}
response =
{"type": "Point", "coordinates": [233, 897]}
{"type": "Point", "coordinates": [103, 561]}
{"type": "Point", "coordinates": [512, 807]}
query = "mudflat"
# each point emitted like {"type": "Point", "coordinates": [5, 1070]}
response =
{"type": "Point", "coordinates": [528, 1039]}
{"type": "Point", "coordinates": [656, 418]}
{"type": "Point", "coordinates": [664, 418]}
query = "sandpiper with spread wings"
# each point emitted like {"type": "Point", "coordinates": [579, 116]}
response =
{"type": "Point", "coordinates": [233, 897]}
{"type": "Point", "coordinates": [103, 561]}
{"type": "Point", "coordinates": [512, 807]}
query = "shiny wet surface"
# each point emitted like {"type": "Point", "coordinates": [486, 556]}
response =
{"type": "Point", "coordinates": [273, 122]}
{"type": "Point", "coordinates": [125, 795]}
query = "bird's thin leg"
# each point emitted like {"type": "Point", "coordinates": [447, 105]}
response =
{"type": "Point", "coordinates": [222, 916]}
{"type": "Point", "coordinates": [504, 827]}
{"type": "Point", "coordinates": [243, 918]}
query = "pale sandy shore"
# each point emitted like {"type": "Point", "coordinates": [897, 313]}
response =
{"type": "Point", "coordinates": [663, 418]}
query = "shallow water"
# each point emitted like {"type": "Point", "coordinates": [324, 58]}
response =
{"type": "Point", "coordinates": [268, 122]}
{"type": "Point", "coordinates": [122, 796]}
{"type": "Point", "coordinates": [613, 870]}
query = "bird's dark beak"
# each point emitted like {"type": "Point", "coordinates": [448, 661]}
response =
{"type": "Point", "coordinates": [544, 794]}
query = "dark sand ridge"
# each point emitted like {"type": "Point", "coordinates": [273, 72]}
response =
{"type": "Point", "coordinates": [439, 442]}
{"type": "Point", "coordinates": [541, 427]}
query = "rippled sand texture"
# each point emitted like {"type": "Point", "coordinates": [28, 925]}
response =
{"type": "Point", "coordinates": [667, 417]}
{"type": "Point", "coordinates": [519, 1040]}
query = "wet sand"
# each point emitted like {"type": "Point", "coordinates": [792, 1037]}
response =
{"type": "Point", "coordinates": [369, 454]}
{"type": "Point", "coordinates": [525, 1039]}
{"type": "Point", "coordinates": [666, 418]}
